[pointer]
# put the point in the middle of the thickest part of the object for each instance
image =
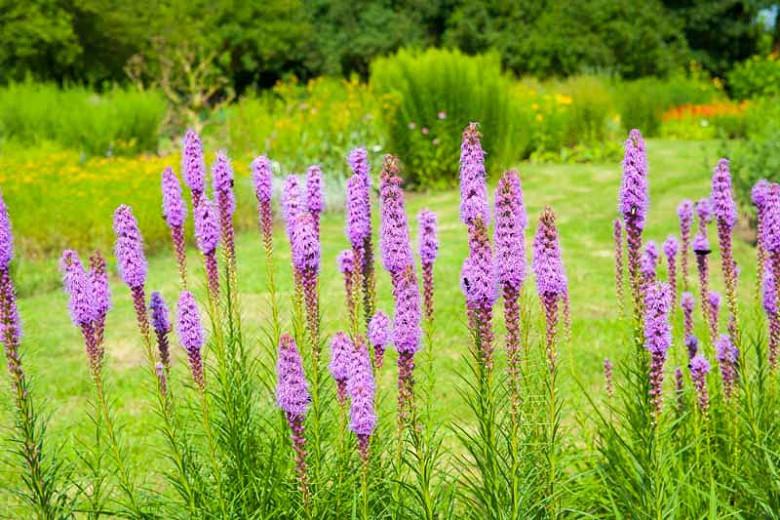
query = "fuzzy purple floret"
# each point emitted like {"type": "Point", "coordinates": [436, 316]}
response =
{"type": "Point", "coordinates": [6, 237]}
{"type": "Point", "coordinates": [758, 194]}
{"type": "Point", "coordinates": [649, 260]}
{"type": "Point", "coordinates": [77, 287]}
{"type": "Point", "coordinates": [174, 209]}
{"type": "Point", "coordinates": [700, 367]}
{"type": "Point", "coordinates": [160, 320]}
{"type": "Point", "coordinates": [687, 302]}
{"type": "Point", "coordinates": [769, 299]}
{"type": "Point", "coordinates": [101, 291]}
{"type": "Point", "coordinates": [478, 277]}
{"type": "Point", "coordinates": [704, 211]}
{"type": "Point", "coordinates": [361, 390]}
{"type": "Point", "coordinates": [406, 327]}
{"type": "Point", "coordinates": [188, 325]}
{"type": "Point", "coordinates": [129, 247]}
{"type": "Point", "coordinates": [771, 223]}
{"type": "Point", "coordinates": [262, 178]}
{"type": "Point", "coordinates": [713, 299]}
{"type": "Point", "coordinates": [346, 262]}
{"type": "Point", "coordinates": [207, 226]}
{"type": "Point", "coordinates": [728, 356]}
{"type": "Point", "coordinates": [394, 228]}
{"type": "Point", "coordinates": [315, 201]}
{"type": "Point", "coordinates": [222, 172]}
{"type": "Point", "coordinates": [358, 211]}
{"type": "Point", "coordinates": [193, 164]}
{"type": "Point", "coordinates": [292, 390]}
{"type": "Point", "coordinates": [634, 199]}
{"type": "Point", "coordinates": [700, 244]}
{"type": "Point", "coordinates": [723, 205]}
{"type": "Point", "coordinates": [658, 332]}
{"type": "Point", "coordinates": [428, 239]}
{"type": "Point", "coordinates": [509, 232]}
{"type": "Point", "coordinates": [473, 178]}
{"type": "Point", "coordinates": [379, 330]}
{"type": "Point", "coordinates": [341, 348]}
{"type": "Point", "coordinates": [291, 201]}
{"type": "Point", "coordinates": [547, 264]}
{"type": "Point", "coordinates": [305, 245]}
{"type": "Point", "coordinates": [671, 246]}
{"type": "Point", "coordinates": [358, 163]}
{"type": "Point", "coordinates": [685, 214]}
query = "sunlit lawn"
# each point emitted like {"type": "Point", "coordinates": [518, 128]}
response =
{"type": "Point", "coordinates": [583, 196]}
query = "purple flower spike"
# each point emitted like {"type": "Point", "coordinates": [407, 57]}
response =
{"type": "Point", "coordinates": [658, 337]}
{"type": "Point", "coordinates": [429, 242]}
{"type": "Point", "coordinates": [358, 211]}
{"type": "Point", "coordinates": [685, 214]}
{"type": "Point", "coordinates": [687, 303]}
{"type": "Point", "coordinates": [262, 176]}
{"type": "Point", "coordinates": [161, 325]}
{"type": "Point", "coordinates": [649, 261]}
{"type": "Point", "coordinates": [222, 172]}
{"type": "Point", "coordinates": [700, 367]}
{"type": "Point", "coordinates": [129, 248]}
{"type": "Point", "coordinates": [101, 292]}
{"type": "Point", "coordinates": [305, 246]}
{"type": "Point", "coordinates": [551, 283]}
{"type": "Point", "coordinates": [634, 198]}
{"type": "Point", "coordinates": [478, 275]}
{"type": "Point", "coordinates": [671, 246]}
{"type": "Point", "coordinates": [191, 336]}
{"type": "Point", "coordinates": [394, 229]}
{"type": "Point", "coordinates": [291, 200]}
{"type": "Point", "coordinates": [361, 390]}
{"type": "Point", "coordinates": [509, 235]}
{"type": "Point", "coordinates": [728, 357]}
{"type": "Point", "coordinates": [771, 237]}
{"type": "Point", "coordinates": [769, 301]}
{"type": "Point", "coordinates": [341, 349]}
{"type": "Point", "coordinates": [194, 166]}
{"type": "Point", "coordinates": [704, 212]}
{"type": "Point", "coordinates": [759, 193]}
{"type": "Point", "coordinates": [315, 202]}
{"type": "Point", "coordinates": [174, 209]}
{"type": "Point", "coordinates": [379, 336]}
{"type": "Point", "coordinates": [292, 390]}
{"type": "Point", "coordinates": [207, 227]}
{"type": "Point", "coordinates": [701, 245]}
{"type": "Point", "coordinates": [473, 178]}
{"type": "Point", "coordinates": [406, 329]}
{"type": "Point", "coordinates": [346, 262]}
{"type": "Point", "coordinates": [723, 205]}
{"type": "Point", "coordinates": [358, 163]}
{"type": "Point", "coordinates": [78, 288]}
{"type": "Point", "coordinates": [6, 237]}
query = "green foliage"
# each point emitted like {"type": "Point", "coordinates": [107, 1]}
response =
{"type": "Point", "coordinates": [117, 122]}
{"type": "Point", "coordinates": [436, 93]}
{"type": "Point", "coordinates": [757, 77]}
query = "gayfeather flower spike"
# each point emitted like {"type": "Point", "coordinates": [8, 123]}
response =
{"type": "Point", "coordinates": [728, 356]}
{"type": "Point", "coordinates": [346, 262]}
{"type": "Point", "coordinates": [608, 383]}
{"type": "Point", "coordinates": [406, 338]}
{"type": "Point", "coordinates": [701, 248]}
{"type": "Point", "coordinates": [473, 178]}
{"type": "Point", "coordinates": [429, 248]}
{"type": "Point", "coordinates": [478, 282]}
{"type": "Point", "coordinates": [191, 336]}
{"type": "Point", "coordinates": [175, 213]}
{"type": "Point", "coordinates": [358, 228]}
{"type": "Point", "coordinates": [292, 397]}
{"type": "Point", "coordinates": [129, 252]}
{"type": "Point", "coordinates": [291, 203]}
{"type": "Point", "coordinates": [379, 336]}
{"type": "Point", "coordinates": [262, 179]}
{"type": "Point", "coordinates": [649, 262]}
{"type": "Point", "coordinates": [685, 213]}
{"type": "Point", "coordinates": [769, 301]}
{"type": "Point", "coordinates": [358, 163]}
{"type": "Point", "coordinates": [101, 295]}
{"type": "Point", "coordinates": [551, 282]}
{"type": "Point", "coordinates": [758, 196]}
{"type": "Point", "coordinates": [700, 367]}
{"type": "Point", "coordinates": [713, 300]}
{"type": "Point", "coordinates": [679, 390]}
{"type": "Point", "coordinates": [658, 337]}
{"type": "Point", "coordinates": [633, 205]}
{"type": "Point", "coordinates": [207, 238]}
{"type": "Point", "coordinates": [704, 214]}
{"type": "Point", "coordinates": [725, 210]}
{"type": "Point", "coordinates": [617, 236]}
{"type": "Point", "coordinates": [194, 166]}
{"type": "Point", "coordinates": [770, 237]}
{"type": "Point", "coordinates": [10, 326]}
{"type": "Point", "coordinates": [361, 390]}
{"type": "Point", "coordinates": [341, 349]}
{"type": "Point", "coordinates": [78, 287]}
{"type": "Point", "coordinates": [222, 172]}
{"type": "Point", "coordinates": [687, 303]}
{"type": "Point", "coordinates": [162, 327]}
{"type": "Point", "coordinates": [671, 246]}
{"type": "Point", "coordinates": [306, 260]}
{"type": "Point", "coordinates": [394, 228]}
{"type": "Point", "coordinates": [315, 202]}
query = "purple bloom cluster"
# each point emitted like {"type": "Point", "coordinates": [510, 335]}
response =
{"type": "Point", "coordinates": [341, 349]}
{"type": "Point", "coordinates": [77, 287]}
{"type": "Point", "coordinates": [634, 199]}
{"type": "Point", "coordinates": [771, 222]}
{"type": "Point", "coordinates": [358, 211]}
{"type": "Point", "coordinates": [361, 390]}
{"type": "Point", "coordinates": [190, 333]}
{"type": "Point", "coordinates": [161, 325]}
{"type": "Point", "coordinates": [292, 390]}
{"type": "Point", "coordinates": [728, 357]}
{"type": "Point", "coordinates": [671, 247]}
{"type": "Point", "coordinates": [6, 237]}
{"type": "Point", "coordinates": [658, 336]}
{"type": "Point", "coordinates": [262, 177]}
{"type": "Point", "coordinates": [222, 173]}
{"type": "Point", "coordinates": [547, 264]}
{"type": "Point", "coordinates": [346, 262]}
{"type": "Point", "coordinates": [700, 367]}
{"type": "Point", "coordinates": [649, 261]}
{"type": "Point", "coordinates": [478, 279]}
{"type": "Point", "coordinates": [473, 178]}
{"type": "Point", "coordinates": [406, 327]}
{"type": "Point", "coordinates": [509, 235]}
{"type": "Point", "coordinates": [305, 245]}
{"type": "Point", "coordinates": [379, 335]}
{"type": "Point", "coordinates": [315, 202]}
{"type": "Point", "coordinates": [291, 202]}
{"type": "Point", "coordinates": [723, 205]}
{"type": "Point", "coordinates": [174, 209]}
{"type": "Point", "coordinates": [207, 227]}
{"type": "Point", "coordinates": [129, 248]}
{"type": "Point", "coordinates": [358, 163]}
{"type": "Point", "coordinates": [194, 166]}
{"type": "Point", "coordinates": [394, 227]}
{"type": "Point", "coordinates": [704, 212]}
{"type": "Point", "coordinates": [428, 241]}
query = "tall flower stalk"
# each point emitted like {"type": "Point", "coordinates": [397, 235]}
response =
{"type": "Point", "coordinates": [341, 349]}
{"type": "Point", "coordinates": [658, 339]}
{"type": "Point", "coordinates": [175, 213]}
{"type": "Point", "coordinates": [207, 237]}
{"type": "Point", "coordinates": [362, 412]}
{"type": "Point", "coordinates": [758, 196]}
{"type": "Point", "coordinates": [262, 179]}
{"type": "Point", "coordinates": [222, 174]}
{"type": "Point", "coordinates": [315, 201]}
{"type": "Point", "coordinates": [346, 264]}
{"type": "Point", "coordinates": [671, 247]}
{"type": "Point", "coordinates": [194, 166]}
{"type": "Point", "coordinates": [685, 214]}
{"type": "Point", "coordinates": [727, 355]}
{"type": "Point", "coordinates": [358, 163]}
{"type": "Point", "coordinates": [617, 237]}
{"type": "Point", "coordinates": [769, 302]}
{"type": "Point", "coordinates": [770, 234]}
{"type": "Point", "coordinates": [700, 367]}
{"type": "Point", "coordinates": [701, 248]}
{"type": "Point", "coordinates": [725, 210]}
{"type": "Point", "coordinates": [379, 336]}
{"type": "Point", "coordinates": [429, 248]}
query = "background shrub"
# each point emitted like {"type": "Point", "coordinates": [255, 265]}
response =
{"type": "Point", "coordinates": [757, 77]}
{"type": "Point", "coordinates": [119, 121]}
{"type": "Point", "coordinates": [433, 93]}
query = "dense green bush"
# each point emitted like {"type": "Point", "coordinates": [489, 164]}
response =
{"type": "Point", "coordinates": [116, 122]}
{"type": "Point", "coordinates": [435, 94]}
{"type": "Point", "coordinates": [757, 77]}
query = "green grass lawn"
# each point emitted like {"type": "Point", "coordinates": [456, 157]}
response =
{"type": "Point", "coordinates": [584, 198]}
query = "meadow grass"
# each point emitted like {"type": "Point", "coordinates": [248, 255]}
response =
{"type": "Point", "coordinates": [584, 197]}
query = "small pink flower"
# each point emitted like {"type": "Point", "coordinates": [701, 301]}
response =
{"type": "Point", "coordinates": [442, 115]}
{"type": "Point", "coordinates": [425, 131]}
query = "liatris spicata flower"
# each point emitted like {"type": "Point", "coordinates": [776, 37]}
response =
{"type": "Point", "coordinates": [617, 236]}
{"type": "Point", "coordinates": [10, 326]}
{"type": "Point", "coordinates": [725, 210]}
{"type": "Point", "coordinates": [479, 286]}
{"type": "Point", "coordinates": [691, 345]}
{"type": "Point", "coordinates": [341, 348]}
{"type": "Point", "coordinates": [728, 356]}
{"type": "Point", "coordinates": [551, 283]}
{"type": "Point", "coordinates": [207, 238]}
{"type": "Point", "coordinates": [78, 287]}
{"type": "Point", "coordinates": [379, 336]}
{"type": "Point", "coordinates": [222, 173]}
{"type": "Point", "coordinates": [162, 326]}
{"type": "Point", "coordinates": [670, 250]}
{"type": "Point", "coordinates": [358, 211]}
{"type": "Point", "coordinates": [358, 163]}
{"type": "Point", "coordinates": [194, 166]}
{"type": "Point", "coordinates": [633, 204]}
{"type": "Point", "coordinates": [769, 301]}
{"type": "Point", "coordinates": [679, 384]}
{"type": "Point", "coordinates": [101, 294]}
{"type": "Point", "coordinates": [6, 237]}
{"type": "Point", "coordinates": [701, 248]}
{"type": "Point", "coordinates": [291, 203]}
{"type": "Point", "coordinates": [758, 195]}
{"type": "Point", "coordinates": [648, 262]}
{"type": "Point", "coordinates": [162, 379]}
{"type": "Point", "coordinates": [685, 213]}
{"type": "Point", "coordinates": [191, 336]}
{"type": "Point", "coordinates": [361, 390]}
{"type": "Point", "coordinates": [394, 228]}
{"type": "Point", "coordinates": [306, 260]}
{"type": "Point", "coordinates": [262, 180]}
{"type": "Point", "coordinates": [292, 396]}
{"type": "Point", "coordinates": [473, 178]}
{"type": "Point", "coordinates": [429, 248]}
{"type": "Point", "coordinates": [700, 367]}
{"type": "Point", "coordinates": [770, 237]}
{"type": "Point", "coordinates": [175, 213]}
{"type": "Point", "coordinates": [687, 303]}
{"type": "Point", "coordinates": [346, 262]}
{"type": "Point", "coordinates": [608, 383]}
{"type": "Point", "coordinates": [406, 337]}
{"type": "Point", "coordinates": [704, 214]}
{"type": "Point", "coordinates": [713, 300]}
{"type": "Point", "coordinates": [658, 336]}
{"type": "Point", "coordinates": [129, 252]}
{"type": "Point", "coordinates": [315, 202]}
